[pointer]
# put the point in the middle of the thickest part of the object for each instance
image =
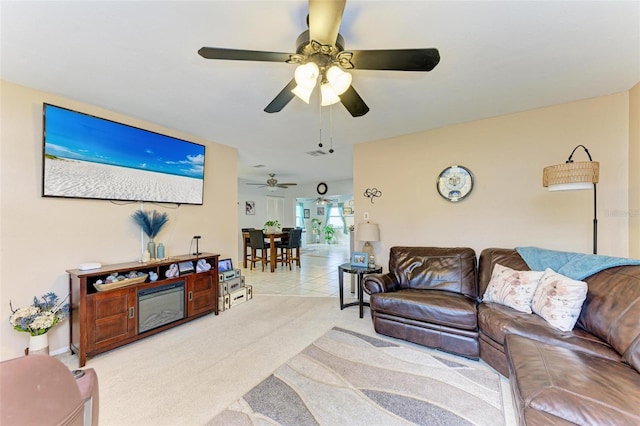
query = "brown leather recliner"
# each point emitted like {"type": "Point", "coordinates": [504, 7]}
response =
{"type": "Point", "coordinates": [40, 390]}
{"type": "Point", "coordinates": [428, 297]}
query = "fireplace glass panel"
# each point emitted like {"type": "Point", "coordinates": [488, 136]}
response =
{"type": "Point", "coordinates": [160, 305]}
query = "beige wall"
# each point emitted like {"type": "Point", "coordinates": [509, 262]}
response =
{"type": "Point", "coordinates": [508, 206]}
{"type": "Point", "coordinates": [634, 171]}
{"type": "Point", "coordinates": [42, 237]}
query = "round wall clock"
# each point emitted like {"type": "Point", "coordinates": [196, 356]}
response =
{"type": "Point", "coordinates": [455, 183]}
{"type": "Point", "coordinates": [321, 188]}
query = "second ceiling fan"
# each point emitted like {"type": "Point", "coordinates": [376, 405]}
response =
{"type": "Point", "coordinates": [272, 183]}
{"type": "Point", "coordinates": [320, 55]}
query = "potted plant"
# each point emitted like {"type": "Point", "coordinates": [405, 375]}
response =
{"type": "Point", "coordinates": [329, 234]}
{"type": "Point", "coordinates": [271, 226]}
{"type": "Point", "coordinates": [38, 319]}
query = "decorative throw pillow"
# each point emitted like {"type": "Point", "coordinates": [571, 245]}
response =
{"type": "Point", "coordinates": [512, 288]}
{"type": "Point", "coordinates": [558, 299]}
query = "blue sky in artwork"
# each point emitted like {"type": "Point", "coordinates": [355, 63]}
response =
{"type": "Point", "coordinates": [77, 136]}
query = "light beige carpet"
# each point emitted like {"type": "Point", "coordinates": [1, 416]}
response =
{"type": "Point", "coordinates": [350, 378]}
{"type": "Point", "coordinates": [189, 374]}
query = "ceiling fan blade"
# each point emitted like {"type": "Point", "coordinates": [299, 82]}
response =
{"type": "Point", "coordinates": [283, 98]}
{"type": "Point", "coordinates": [242, 55]}
{"type": "Point", "coordinates": [285, 185]}
{"type": "Point", "coordinates": [259, 184]}
{"type": "Point", "coordinates": [396, 60]}
{"type": "Point", "coordinates": [354, 103]}
{"type": "Point", "coordinates": [325, 17]}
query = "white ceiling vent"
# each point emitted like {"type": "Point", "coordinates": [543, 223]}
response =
{"type": "Point", "coordinates": [316, 153]}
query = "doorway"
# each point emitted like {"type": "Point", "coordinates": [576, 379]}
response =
{"type": "Point", "coordinates": [315, 214]}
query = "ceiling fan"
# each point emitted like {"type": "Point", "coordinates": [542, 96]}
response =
{"type": "Point", "coordinates": [272, 183]}
{"type": "Point", "coordinates": [321, 200]}
{"type": "Point", "coordinates": [320, 55]}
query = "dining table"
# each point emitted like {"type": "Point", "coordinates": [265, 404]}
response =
{"type": "Point", "coordinates": [273, 250]}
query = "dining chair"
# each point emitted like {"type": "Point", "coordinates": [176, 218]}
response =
{"type": "Point", "coordinates": [247, 242]}
{"type": "Point", "coordinates": [290, 247]}
{"type": "Point", "coordinates": [257, 243]}
{"type": "Point", "coordinates": [283, 242]}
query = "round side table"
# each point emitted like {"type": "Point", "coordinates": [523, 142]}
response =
{"type": "Point", "coordinates": [360, 272]}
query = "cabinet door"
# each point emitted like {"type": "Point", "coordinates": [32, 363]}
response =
{"type": "Point", "coordinates": [200, 294]}
{"type": "Point", "coordinates": [114, 315]}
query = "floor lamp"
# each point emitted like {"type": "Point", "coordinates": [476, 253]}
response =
{"type": "Point", "coordinates": [571, 176]}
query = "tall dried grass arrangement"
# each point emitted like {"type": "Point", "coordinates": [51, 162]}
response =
{"type": "Point", "coordinates": [150, 222]}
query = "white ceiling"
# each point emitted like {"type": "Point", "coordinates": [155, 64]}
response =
{"type": "Point", "coordinates": [140, 58]}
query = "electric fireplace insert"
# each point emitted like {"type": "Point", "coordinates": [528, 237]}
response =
{"type": "Point", "coordinates": [160, 305]}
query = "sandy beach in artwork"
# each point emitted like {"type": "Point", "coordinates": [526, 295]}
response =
{"type": "Point", "coordinates": [73, 178]}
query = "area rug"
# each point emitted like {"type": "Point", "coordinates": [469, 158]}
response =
{"type": "Point", "coordinates": [348, 378]}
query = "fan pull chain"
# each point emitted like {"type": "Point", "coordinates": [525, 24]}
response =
{"type": "Point", "coordinates": [331, 129]}
{"type": "Point", "coordinates": [320, 123]}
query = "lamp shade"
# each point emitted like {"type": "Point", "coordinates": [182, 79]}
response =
{"type": "Point", "coordinates": [307, 75]}
{"type": "Point", "coordinates": [368, 232]}
{"type": "Point", "coordinates": [303, 93]}
{"type": "Point", "coordinates": [571, 176]}
{"type": "Point", "coordinates": [329, 96]}
{"type": "Point", "coordinates": [340, 80]}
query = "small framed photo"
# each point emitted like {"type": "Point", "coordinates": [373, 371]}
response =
{"type": "Point", "coordinates": [320, 211]}
{"type": "Point", "coordinates": [307, 213]}
{"type": "Point", "coordinates": [250, 207]}
{"type": "Point", "coordinates": [348, 210]}
{"type": "Point", "coordinates": [360, 259]}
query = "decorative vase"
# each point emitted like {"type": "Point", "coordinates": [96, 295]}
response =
{"type": "Point", "coordinates": [160, 251]}
{"type": "Point", "coordinates": [151, 248]}
{"type": "Point", "coordinates": [39, 345]}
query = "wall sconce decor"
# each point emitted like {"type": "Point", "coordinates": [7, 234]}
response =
{"type": "Point", "coordinates": [372, 193]}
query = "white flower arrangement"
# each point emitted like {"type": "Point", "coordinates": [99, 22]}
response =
{"type": "Point", "coordinates": [40, 317]}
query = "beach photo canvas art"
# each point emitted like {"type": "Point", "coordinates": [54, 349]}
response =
{"type": "Point", "coordinates": [91, 157]}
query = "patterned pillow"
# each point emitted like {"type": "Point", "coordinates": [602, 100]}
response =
{"type": "Point", "coordinates": [512, 288]}
{"type": "Point", "coordinates": [558, 299]}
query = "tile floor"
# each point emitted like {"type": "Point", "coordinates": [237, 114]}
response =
{"type": "Point", "coordinates": [316, 276]}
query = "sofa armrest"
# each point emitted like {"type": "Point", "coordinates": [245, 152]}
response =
{"type": "Point", "coordinates": [87, 381]}
{"type": "Point", "coordinates": [379, 283]}
{"type": "Point", "coordinates": [39, 389]}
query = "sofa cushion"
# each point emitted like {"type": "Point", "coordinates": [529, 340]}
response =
{"type": "Point", "coordinates": [490, 257]}
{"type": "Point", "coordinates": [612, 309]}
{"type": "Point", "coordinates": [496, 321]}
{"type": "Point", "coordinates": [435, 268]}
{"type": "Point", "coordinates": [571, 385]}
{"type": "Point", "coordinates": [512, 288]}
{"type": "Point", "coordinates": [558, 299]}
{"type": "Point", "coordinates": [431, 306]}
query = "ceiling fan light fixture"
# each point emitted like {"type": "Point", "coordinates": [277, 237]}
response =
{"type": "Point", "coordinates": [339, 79]}
{"type": "Point", "coordinates": [329, 96]}
{"type": "Point", "coordinates": [272, 188]}
{"type": "Point", "coordinates": [306, 75]}
{"type": "Point", "coordinates": [303, 93]}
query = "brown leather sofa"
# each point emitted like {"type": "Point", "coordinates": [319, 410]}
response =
{"type": "Point", "coordinates": [40, 390]}
{"type": "Point", "coordinates": [589, 375]}
{"type": "Point", "coordinates": [429, 297]}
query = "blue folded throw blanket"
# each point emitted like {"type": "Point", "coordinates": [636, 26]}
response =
{"type": "Point", "coordinates": [573, 265]}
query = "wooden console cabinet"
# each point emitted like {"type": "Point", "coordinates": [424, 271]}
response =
{"type": "Point", "coordinates": [104, 320]}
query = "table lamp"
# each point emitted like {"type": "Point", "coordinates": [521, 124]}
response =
{"type": "Point", "coordinates": [368, 232]}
